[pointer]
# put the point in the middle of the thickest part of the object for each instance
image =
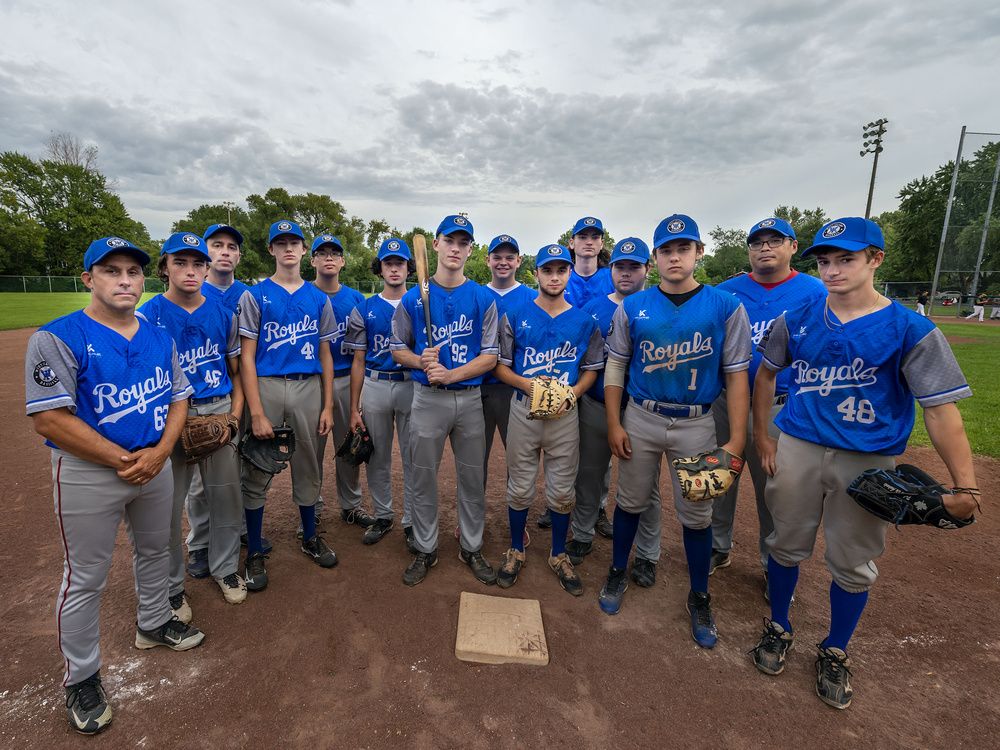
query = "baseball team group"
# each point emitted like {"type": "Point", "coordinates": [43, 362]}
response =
{"type": "Point", "coordinates": [811, 380]}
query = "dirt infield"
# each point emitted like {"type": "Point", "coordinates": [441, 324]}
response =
{"type": "Point", "coordinates": [350, 657]}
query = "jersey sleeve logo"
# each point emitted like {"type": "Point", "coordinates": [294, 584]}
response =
{"type": "Point", "coordinates": [824, 380]}
{"type": "Point", "coordinates": [44, 375]}
{"type": "Point", "coordinates": [675, 226]}
{"type": "Point", "coordinates": [833, 230]}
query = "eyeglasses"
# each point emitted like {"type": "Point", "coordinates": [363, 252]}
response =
{"type": "Point", "coordinates": [328, 254]}
{"type": "Point", "coordinates": [772, 243]}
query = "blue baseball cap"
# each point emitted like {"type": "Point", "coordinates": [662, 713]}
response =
{"type": "Point", "coordinates": [587, 222]}
{"type": "Point", "coordinates": [181, 241]}
{"type": "Point", "coordinates": [503, 239]}
{"type": "Point", "coordinates": [100, 249]}
{"type": "Point", "coordinates": [779, 226]}
{"type": "Point", "coordinates": [216, 228]}
{"type": "Point", "coordinates": [551, 253]}
{"type": "Point", "coordinates": [282, 227]}
{"type": "Point", "coordinates": [630, 248]}
{"type": "Point", "coordinates": [851, 233]}
{"type": "Point", "coordinates": [675, 227]}
{"type": "Point", "coordinates": [394, 248]}
{"type": "Point", "coordinates": [454, 223]}
{"type": "Point", "coordinates": [326, 239]}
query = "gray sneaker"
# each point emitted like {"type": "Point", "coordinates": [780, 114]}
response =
{"type": "Point", "coordinates": [87, 705]}
{"type": "Point", "coordinates": [769, 653]}
{"type": "Point", "coordinates": [173, 634]}
{"type": "Point", "coordinates": [833, 677]}
{"type": "Point", "coordinates": [481, 569]}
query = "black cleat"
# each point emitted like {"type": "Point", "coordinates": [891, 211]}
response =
{"type": "Point", "coordinates": [377, 530]}
{"type": "Point", "coordinates": [417, 570]}
{"type": "Point", "coordinates": [87, 705]}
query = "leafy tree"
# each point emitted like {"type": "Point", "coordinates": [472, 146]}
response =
{"type": "Point", "coordinates": [728, 257]}
{"type": "Point", "coordinates": [805, 223]}
{"type": "Point", "coordinates": [66, 148]}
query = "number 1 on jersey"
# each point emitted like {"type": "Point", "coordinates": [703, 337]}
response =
{"type": "Point", "coordinates": [694, 379]}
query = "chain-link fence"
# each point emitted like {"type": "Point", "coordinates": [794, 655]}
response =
{"type": "Point", "coordinates": [58, 284]}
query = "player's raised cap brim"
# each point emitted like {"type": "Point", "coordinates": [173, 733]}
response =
{"type": "Point", "coordinates": [850, 246]}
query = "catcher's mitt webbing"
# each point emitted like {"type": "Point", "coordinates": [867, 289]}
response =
{"type": "Point", "coordinates": [270, 455]}
{"type": "Point", "coordinates": [547, 397]}
{"type": "Point", "coordinates": [707, 475]}
{"type": "Point", "coordinates": [907, 495]}
{"type": "Point", "coordinates": [357, 447]}
{"type": "Point", "coordinates": [204, 434]}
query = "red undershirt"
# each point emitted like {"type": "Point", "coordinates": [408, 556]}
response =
{"type": "Point", "coordinates": [773, 284]}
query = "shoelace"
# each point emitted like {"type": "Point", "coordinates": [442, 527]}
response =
{"type": "Point", "coordinates": [616, 581]}
{"type": "Point", "coordinates": [703, 614]}
{"type": "Point", "coordinates": [173, 625]}
{"type": "Point", "coordinates": [770, 640]}
{"type": "Point", "coordinates": [177, 601]}
{"type": "Point", "coordinates": [833, 666]}
{"type": "Point", "coordinates": [89, 694]}
{"type": "Point", "coordinates": [231, 581]}
{"type": "Point", "coordinates": [565, 567]}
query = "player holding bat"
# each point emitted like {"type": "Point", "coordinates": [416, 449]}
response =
{"type": "Point", "coordinates": [446, 331]}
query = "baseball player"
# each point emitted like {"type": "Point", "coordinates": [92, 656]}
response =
{"type": "Point", "coordinates": [681, 342]}
{"type": "Point", "coordinates": [287, 373]}
{"type": "Point", "coordinates": [328, 260]}
{"type": "Point", "coordinates": [503, 258]}
{"type": "Point", "coordinates": [857, 363]}
{"type": "Point", "coordinates": [547, 336]}
{"type": "Point", "coordinates": [922, 300]}
{"type": "Point", "coordinates": [978, 308]}
{"type": "Point", "coordinates": [206, 335]}
{"type": "Point", "coordinates": [223, 243]}
{"type": "Point", "coordinates": [771, 287]}
{"type": "Point", "coordinates": [106, 391]}
{"type": "Point", "coordinates": [629, 265]}
{"type": "Point", "coordinates": [382, 389]}
{"type": "Point", "coordinates": [448, 365]}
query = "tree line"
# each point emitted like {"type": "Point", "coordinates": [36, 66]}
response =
{"type": "Point", "coordinates": [52, 207]}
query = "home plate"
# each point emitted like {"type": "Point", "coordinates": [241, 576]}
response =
{"type": "Point", "coordinates": [498, 630]}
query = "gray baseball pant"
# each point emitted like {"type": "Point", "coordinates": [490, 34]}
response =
{"type": "Point", "coordinates": [439, 414]}
{"type": "Point", "coordinates": [592, 482]}
{"type": "Point", "coordinates": [558, 439]}
{"type": "Point", "coordinates": [348, 475]}
{"type": "Point", "coordinates": [809, 486]}
{"type": "Point", "coordinates": [386, 406]}
{"type": "Point", "coordinates": [90, 501]}
{"type": "Point", "coordinates": [724, 508]}
{"type": "Point", "coordinates": [221, 485]}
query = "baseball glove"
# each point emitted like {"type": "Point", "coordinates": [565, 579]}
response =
{"type": "Point", "coordinates": [707, 475]}
{"type": "Point", "coordinates": [270, 455]}
{"type": "Point", "coordinates": [357, 447]}
{"type": "Point", "coordinates": [547, 396]}
{"type": "Point", "coordinates": [204, 435]}
{"type": "Point", "coordinates": [905, 496]}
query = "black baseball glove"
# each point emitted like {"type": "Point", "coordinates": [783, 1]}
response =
{"type": "Point", "coordinates": [357, 447]}
{"type": "Point", "coordinates": [906, 495]}
{"type": "Point", "coordinates": [270, 455]}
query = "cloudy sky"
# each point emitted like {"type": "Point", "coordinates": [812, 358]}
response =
{"type": "Point", "coordinates": [526, 115]}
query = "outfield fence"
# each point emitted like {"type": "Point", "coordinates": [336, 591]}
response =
{"type": "Point", "coordinates": [59, 284]}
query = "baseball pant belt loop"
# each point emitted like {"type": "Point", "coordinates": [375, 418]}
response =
{"type": "Point", "coordinates": [672, 410]}
{"type": "Point", "coordinates": [208, 400]}
{"type": "Point", "coordinates": [396, 376]}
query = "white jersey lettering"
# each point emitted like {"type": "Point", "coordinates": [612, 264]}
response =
{"type": "Point", "coordinates": [827, 379]}
{"type": "Point", "coordinates": [139, 395]}
{"type": "Point", "coordinates": [698, 347]}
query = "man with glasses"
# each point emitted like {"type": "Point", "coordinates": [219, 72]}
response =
{"type": "Point", "coordinates": [771, 287]}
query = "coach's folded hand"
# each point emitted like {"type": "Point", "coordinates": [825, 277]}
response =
{"type": "Point", "coordinates": [143, 465]}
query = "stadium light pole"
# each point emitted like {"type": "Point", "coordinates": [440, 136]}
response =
{"type": "Point", "coordinates": [872, 133]}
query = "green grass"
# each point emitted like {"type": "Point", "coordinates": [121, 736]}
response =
{"type": "Point", "coordinates": [35, 308]}
{"type": "Point", "coordinates": [976, 351]}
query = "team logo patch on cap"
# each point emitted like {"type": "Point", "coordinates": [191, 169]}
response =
{"type": "Point", "coordinates": [327, 238]}
{"type": "Point", "coordinates": [190, 239]}
{"type": "Point", "coordinates": [44, 375]}
{"type": "Point", "coordinates": [504, 238]}
{"type": "Point", "coordinates": [766, 223]}
{"type": "Point", "coordinates": [460, 220]}
{"type": "Point", "coordinates": [628, 247]}
{"type": "Point", "coordinates": [393, 245]}
{"type": "Point", "coordinates": [284, 226]}
{"type": "Point", "coordinates": [589, 221]}
{"type": "Point", "coordinates": [675, 226]}
{"type": "Point", "coordinates": [116, 242]}
{"type": "Point", "coordinates": [555, 250]}
{"type": "Point", "coordinates": [835, 229]}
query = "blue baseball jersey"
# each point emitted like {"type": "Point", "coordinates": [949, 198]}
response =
{"type": "Point", "coordinates": [288, 328]}
{"type": "Point", "coordinates": [533, 343]}
{"type": "Point", "coordinates": [343, 304]}
{"type": "Point", "coordinates": [680, 354]}
{"type": "Point", "coordinates": [763, 305]}
{"type": "Point", "coordinates": [204, 339]}
{"type": "Point", "coordinates": [582, 289]}
{"type": "Point", "coordinates": [464, 319]}
{"type": "Point", "coordinates": [852, 385]}
{"type": "Point", "coordinates": [228, 297]}
{"type": "Point", "coordinates": [369, 329]}
{"type": "Point", "coordinates": [602, 310]}
{"type": "Point", "coordinates": [121, 388]}
{"type": "Point", "coordinates": [507, 300]}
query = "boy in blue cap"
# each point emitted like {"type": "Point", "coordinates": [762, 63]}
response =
{"type": "Point", "coordinates": [857, 363]}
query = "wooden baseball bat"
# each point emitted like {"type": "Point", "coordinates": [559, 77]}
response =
{"type": "Point", "coordinates": [420, 260]}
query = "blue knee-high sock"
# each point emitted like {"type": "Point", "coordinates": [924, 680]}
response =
{"type": "Point", "coordinates": [626, 525]}
{"type": "Point", "coordinates": [255, 524]}
{"type": "Point", "coordinates": [698, 550]}
{"type": "Point", "coordinates": [308, 515]}
{"type": "Point", "coordinates": [518, 520]}
{"type": "Point", "coordinates": [781, 587]}
{"type": "Point", "coordinates": [560, 528]}
{"type": "Point", "coordinates": [845, 611]}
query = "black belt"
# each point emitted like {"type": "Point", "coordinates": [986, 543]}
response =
{"type": "Point", "coordinates": [295, 376]}
{"type": "Point", "coordinates": [342, 372]}
{"type": "Point", "coordinates": [207, 400]}
{"type": "Point", "coordinates": [672, 410]}
{"type": "Point", "coordinates": [396, 376]}
{"type": "Point", "coordinates": [450, 387]}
